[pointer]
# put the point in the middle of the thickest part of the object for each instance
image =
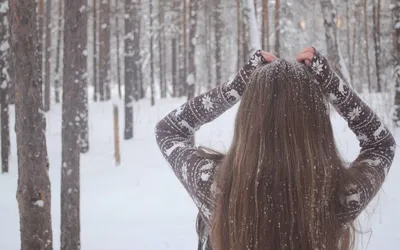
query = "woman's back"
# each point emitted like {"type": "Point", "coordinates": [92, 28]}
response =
{"type": "Point", "coordinates": [282, 184]}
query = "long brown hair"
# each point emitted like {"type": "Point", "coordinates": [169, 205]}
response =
{"type": "Point", "coordinates": [278, 186]}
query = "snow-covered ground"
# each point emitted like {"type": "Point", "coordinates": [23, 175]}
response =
{"type": "Point", "coordinates": [139, 204]}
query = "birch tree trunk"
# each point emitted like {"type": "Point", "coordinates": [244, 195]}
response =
{"type": "Point", "coordinates": [395, 7]}
{"type": "Point", "coordinates": [33, 193]}
{"type": "Point", "coordinates": [75, 40]}
{"type": "Point", "coordinates": [4, 89]}
{"type": "Point", "coordinates": [47, 56]}
{"type": "Point", "coordinates": [255, 42]}
{"type": "Point", "coordinates": [238, 41]}
{"type": "Point", "coordinates": [130, 67]}
{"type": "Point", "coordinates": [57, 77]}
{"type": "Point", "coordinates": [334, 54]}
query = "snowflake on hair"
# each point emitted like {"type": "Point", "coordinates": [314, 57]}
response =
{"type": "Point", "coordinates": [354, 113]}
{"type": "Point", "coordinates": [318, 66]}
{"type": "Point", "coordinates": [207, 103]}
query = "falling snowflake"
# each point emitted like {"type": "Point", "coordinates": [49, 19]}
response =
{"type": "Point", "coordinates": [318, 66]}
{"type": "Point", "coordinates": [184, 172]}
{"type": "Point", "coordinates": [354, 113]}
{"type": "Point", "coordinates": [207, 103]}
{"type": "Point", "coordinates": [255, 61]}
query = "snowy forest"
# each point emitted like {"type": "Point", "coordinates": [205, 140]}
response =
{"type": "Point", "coordinates": [83, 83]}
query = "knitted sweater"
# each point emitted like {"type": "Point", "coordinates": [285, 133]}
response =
{"type": "Point", "coordinates": [195, 172]}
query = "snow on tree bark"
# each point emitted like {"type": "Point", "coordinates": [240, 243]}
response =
{"type": "Point", "coordinates": [255, 42]}
{"type": "Point", "coordinates": [395, 7]}
{"type": "Point", "coordinates": [58, 51]}
{"type": "Point", "coordinates": [191, 78]}
{"type": "Point", "coordinates": [74, 81]}
{"type": "Point", "coordinates": [104, 31]}
{"type": "Point", "coordinates": [4, 87]}
{"type": "Point", "coordinates": [33, 193]}
{"type": "Point", "coordinates": [47, 56]}
{"type": "Point", "coordinates": [130, 66]}
{"type": "Point", "coordinates": [331, 36]}
{"type": "Point", "coordinates": [96, 94]}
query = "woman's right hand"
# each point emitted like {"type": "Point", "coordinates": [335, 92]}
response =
{"type": "Point", "coordinates": [316, 62]}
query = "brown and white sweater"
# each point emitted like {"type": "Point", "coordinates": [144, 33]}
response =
{"type": "Point", "coordinates": [173, 134]}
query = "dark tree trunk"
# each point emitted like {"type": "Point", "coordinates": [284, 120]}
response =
{"type": "Point", "coordinates": [4, 87]}
{"type": "Point", "coordinates": [395, 4]}
{"type": "Point", "coordinates": [96, 92]}
{"type": "Point", "coordinates": [151, 55]}
{"type": "Point", "coordinates": [218, 40]}
{"type": "Point", "coordinates": [191, 79]}
{"type": "Point", "coordinates": [130, 67]}
{"type": "Point", "coordinates": [33, 194]}
{"type": "Point", "coordinates": [377, 41]}
{"type": "Point", "coordinates": [47, 56]}
{"type": "Point", "coordinates": [117, 15]}
{"type": "Point", "coordinates": [74, 82]}
{"type": "Point", "coordinates": [277, 28]}
{"type": "Point", "coordinates": [58, 50]}
{"type": "Point", "coordinates": [349, 52]}
{"type": "Point", "coordinates": [174, 70]}
{"type": "Point", "coordinates": [138, 75]}
{"type": "Point", "coordinates": [104, 30]}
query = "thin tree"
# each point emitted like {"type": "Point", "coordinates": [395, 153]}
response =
{"type": "Point", "coordinates": [151, 54]}
{"type": "Point", "coordinates": [33, 192]}
{"type": "Point", "coordinates": [238, 40]}
{"type": "Point", "coordinates": [265, 26]}
{"type": "Point", "coordinates": [185, 48]}
{"type": "Point", "coordinates": [395, 6]}
{"type": "Point", "coordinates": [47, 56]}
{"type": "Point", "coordinates": [117, 16]}
{"type": "Point", "coordinates": [218, 40]}
{"type": "Point", "coordinates": [349, 52]}
{"type": "Point", "coordinates": [58, 52]}
{"type": "Point", "coordinates": [277, 28]}
{"type": "Point", "coordinates": [377, 41]}
{"type": "Point", "coordinates": [104, 31]}
{"type": "Point", "coordinates": [163, 84]}
{"type": "Point", "coordinates": [74, 74]}
{"type": "Point", "coordinates": [130, 65]}
{"type": "Point", "coordinates": [96, 87]}
{"type": "Point", "coordinates": [137, 51]}
{"type": "Point", "coordinates": [191, 79]}
{"type": "Point", "coordinates": [367, 43]}
{"type": "Point", "coordinates": [4, 87]}
{"type": "Point", "coordinates": [331, 37]}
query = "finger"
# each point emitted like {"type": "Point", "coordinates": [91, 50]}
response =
{"type": "Point", "coordinates": [307, 62]}
{"type": "Point", "coordinates": [304, 56]}
{"type": "Point", "coordinates": [268, 56]}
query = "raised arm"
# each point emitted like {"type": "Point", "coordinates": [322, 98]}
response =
{"type": "Point", "coordinates": [368, 172]}
{"type": "Point", "coordinates": [173, 133]}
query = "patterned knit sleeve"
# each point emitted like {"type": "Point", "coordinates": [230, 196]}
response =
{"type": "Point", "coordinates": [174, 133]}
{"type": "Point", "coordinates": [368, 172]}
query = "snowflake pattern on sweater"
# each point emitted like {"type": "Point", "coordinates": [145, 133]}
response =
{"type": "Point", "coordinates": [173, 134]}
